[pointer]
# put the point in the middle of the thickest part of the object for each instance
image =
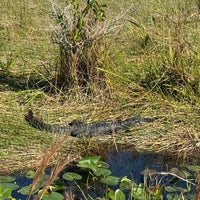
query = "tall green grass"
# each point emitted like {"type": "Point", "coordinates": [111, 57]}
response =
{"type": "Point", "coordinates": [159, 49]}
{"type": "Point", "coordinates": [156, 46]}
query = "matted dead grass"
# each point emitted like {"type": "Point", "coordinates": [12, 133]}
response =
{"type": "Point", "coordinates": [25, 31]}
{"type": "Point", "coordinates": [174, 133]}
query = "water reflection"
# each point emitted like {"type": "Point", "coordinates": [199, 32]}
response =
{"type": "Point", "coordinates": [126, 163]}
{"type": "Point", "coordinates": [122, 163]}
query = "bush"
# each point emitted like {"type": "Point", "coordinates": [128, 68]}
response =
{"type": "Point", "coordinates": [80, 34]}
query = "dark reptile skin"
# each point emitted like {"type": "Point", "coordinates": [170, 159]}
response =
{"type": "Point", "coordinates": [78, 128]}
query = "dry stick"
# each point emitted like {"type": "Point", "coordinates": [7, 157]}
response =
{"type": "Point", "coordinates": [183, 179]}
{"type": "Point", "coordinates": [69, 195]}
{"type": "Point", "coordinates": [198, 185]}
{"type": "Point", "coordinates": [45, 162]}
{"type": "Point", "coordinates": [54, 174]}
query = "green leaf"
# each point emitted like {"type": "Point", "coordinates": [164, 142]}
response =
{"type": "Point", "coordinates": [172, 196]}
{"type": "Point", "coordinates": [12, 186]}
{"type": "Point", "coordinates": [158, 193]}
{"type": "Point", "coordinates": [5, 192]}
{"type": "Point", "coordinates": [76, 34]}
{"type": "Point", "coordinates": [119, 195]}
{"type": "Point", "coordinates": [175, 189]}
{"type": "Point", "coordinates": [58, 185]}
{"type": "Point", "coordinates": [110, 180]}
{"type": "Point", "coordinates": [95, 159]}
{"type": "Point", "coordinates": [70, 176]}
{"type": "Point", "coordinates": [193, 167]}
{"type": "Point", "coordinates": [26, 189]}
{"type": "Point", "coordinates": [30, 174]}
{"type": "Point", "coordinates": [183, 190]}
{"type": "Point", "coordinates": [80, 23]}
{"type": "Point", "coordinates": [53, 196]}
{"type": "Point", "coordinates": [138, 192]}
{"type": "Point", "coordinates": [6, 179]}
{"type": "Point", "coordinates": [170, 189]}
{"type": "Point", "coordinates": [89, 165]}
{"type": "Point", "coordinates": [102, 164]}
{"type": "Point", "coordinates": [111, 194]}
{"type": "Point", "coordinates": [191, 196]}
{"type": "Point", "coordinates": [126, 184]}
{"type": "Point", "coordinates": [102, 172]}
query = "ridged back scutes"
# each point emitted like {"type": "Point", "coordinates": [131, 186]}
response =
{"type": "Point", "coordinates": [79, 128]}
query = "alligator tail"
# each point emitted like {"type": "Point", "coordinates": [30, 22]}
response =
{"type": "Point", "coordinates": [41, 125]}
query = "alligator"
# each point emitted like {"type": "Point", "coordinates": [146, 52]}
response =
{"type": "Point", "coordinates": [79, 128]}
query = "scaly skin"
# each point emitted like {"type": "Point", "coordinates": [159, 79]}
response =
{"type": "Point", "coordinates": [78, 128]}
{"type": "Point", "coordinates": [41, 125]}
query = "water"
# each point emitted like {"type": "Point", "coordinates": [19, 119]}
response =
{"type": "Point", "coordinates": [125, 163]}
{"type": "Point", "coordinates": [21, 181]}
{"type": "Point", "coordinates": [122, 163]}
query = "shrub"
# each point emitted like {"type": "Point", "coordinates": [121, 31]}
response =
{"type": "Point", "coordinates": [80, 34]}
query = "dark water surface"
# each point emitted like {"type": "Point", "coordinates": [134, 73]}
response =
{"type": "Point", "coordinates": [124, 163]}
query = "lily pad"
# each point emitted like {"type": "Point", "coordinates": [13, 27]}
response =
{"type": "Point", "coordinates": [102, 172]}
{"type": "Point", "coordinates": [102, 164]}
{"type": "Point", "coordinates": [70, 176]}
{"type": "Point", "coordinates": [12, 186]}
{"type": "Point", "coordinates": [110, 180]}
{"type": "Point", "coordinates": [53, 196]}
{"type": "Point", "coordinates": [94, 159]}
{"type": "Point", "coordinates": [26, 190]}
{"type": "Point", "coordinates": [6, 179]}
{"type": "Point", "coordinates": [5, 192]}
{"type": "Point", "coordinates": [119, 195]}
{"type": "Point", "coordinates": [89, 165]}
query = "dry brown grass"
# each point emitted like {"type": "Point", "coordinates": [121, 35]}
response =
{"type": "Point", "coordinates": [51, 152]}
{"type": "Point", "coordinates": [25, 36]}
{"type": "Point", "coordinates": [198, 186]}
{"type": "Point", "coordinates": [174, 133]}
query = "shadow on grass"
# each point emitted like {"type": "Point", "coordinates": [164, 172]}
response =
{"type": "Point", "coordinates": [23, 82]}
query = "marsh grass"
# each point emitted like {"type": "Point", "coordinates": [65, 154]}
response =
{"type": "Point", "coordinates": [148, 63]}
{"type": "Point", "coordinates": [79, 34]}
{"type": "Point", "coordinates": [198, 186]}
{"type": "Point", "coordinates": [174, 132]}
{"type": "Point", "coordinates": [55, 171]}
{"type": "Point", "coordinates": [162, 45]}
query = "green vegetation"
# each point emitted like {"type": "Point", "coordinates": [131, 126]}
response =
{"type": "Point", "coordinates": [7, 185]}
{"type": "Point", "coordinates": [98, 172]}
{"type": "Point", "coordinates": [149, 63]}
{"type": "Point", "coordinates": [79, 36]}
